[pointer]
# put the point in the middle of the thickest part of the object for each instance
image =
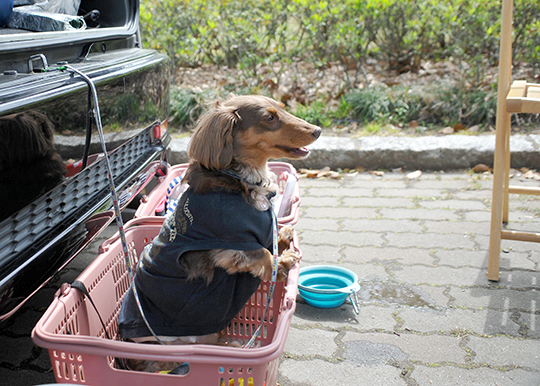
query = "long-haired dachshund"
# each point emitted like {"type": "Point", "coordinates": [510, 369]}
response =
{"type": "Point", "coordinates": [213, 251]}
{"type": "Point", "coordinates": [29, 163]}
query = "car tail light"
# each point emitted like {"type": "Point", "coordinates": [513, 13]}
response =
{"type": "Point", "coordinates": [160, 130]}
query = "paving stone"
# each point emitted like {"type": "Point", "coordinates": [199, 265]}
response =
{"type": "Point", "coordinates": [340, 212]}
{"type": "Point", "coordinates": [520, 279]}
{"type": "Point", "coordinates": [424, 348]}
{"type": "Point", "coordinates": [510, 245]}
{"type": "Point", "coordinates": [320, 253]}
{"type": "Point", "coordinates": [366, 180]}
{"type": "Point", "coordinates": [415, 214]}
{"type": "Point", "coordinates": [526, 226]}
{"type": "Point", "coordinates": [311, 342]}
{"type": "Point", "coordinates": [473, 194]}
{"type": "Point", "coordinates": [318, 224]}
{"type": "Point", "coordinates": [405, 256]}
{"type": "Point", "coordinates": [478, 216]}
{"type": "Point", "coordinates": [451, 183]}
{"type": "Point", "coordinates": [532, 321]}
{"type": "Point", "coordinates": [438, 275]}
{"type": "Point", "coordinates": [385, 183]}
{"type": "Point", "coordinates": [365, 271]}
{"type": "Point", "coordinates": [437, 294]}
{"type": "Point", "coordinates": [479, 259]}
{"type": "Point", "coordinates": [411, 192]}
{"type": "Point", "coordinates": [318, 372]}
{"type": "Point", "coordinates": [457, 376]}
{"type": "Point", "coordinates": [309, 201]}
{"type": "Point", "coordinates": [503, 351]}
{"type": "Point", "coordinates": [429, 240]}
{"type": "Point", "coordinates": [342, 317]}
{"type": "Point", "coordinates": [461, 258]}
{"type": "Point", "coordinates": [341, 238]}
{"type": "Point", "coordinates": [453, 204]}
{"type": "Point", "coordinates": [519, 246]}
{"type": "Point", "coordinates": [496, 299]}
{"type": "Point", "coordinates": [340, 192]}
{"type": "Point", "coordinates": [461, 227]}
{"type": "Point", "coordinates": [368, 319]}
{"type": "Point", "coordinates": [455, 320]}
{"type": "Point", "coordinates": [317, 183]}
{"type": "Point", "coordinates": [397, 226]}
{"type": "Point", "coordinates": [378, 202]}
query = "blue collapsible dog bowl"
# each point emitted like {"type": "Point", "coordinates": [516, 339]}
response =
{"type": "Point", "coordinates": [327, 286]}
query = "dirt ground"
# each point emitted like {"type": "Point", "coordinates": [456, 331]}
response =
{"type": "Point", "coordinates": [303, 83]}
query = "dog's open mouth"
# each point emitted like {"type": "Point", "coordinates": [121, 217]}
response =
{"type": "Point", "coordinates": [296, 152]}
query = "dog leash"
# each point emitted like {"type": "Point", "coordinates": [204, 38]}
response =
{"type": "Point", "coordinates": [274, 276]}
{"type": "Point", "coordinates": [114, 196]}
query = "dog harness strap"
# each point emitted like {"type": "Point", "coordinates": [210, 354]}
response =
{"type": "Point", "coordinates": [234, 175]}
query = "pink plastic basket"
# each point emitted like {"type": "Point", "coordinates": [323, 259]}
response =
{"type": "Point", "coordinates": [156, 198]}
{"type": "Point", "coordinates": [81, 354]}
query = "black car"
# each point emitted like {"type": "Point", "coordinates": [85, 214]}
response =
{"type": "Point", "coordinates": [42, 53]}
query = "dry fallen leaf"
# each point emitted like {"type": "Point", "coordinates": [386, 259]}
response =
{"type": "Point", "coordinates": [414, 175]}
{"type": "Point", "coordinates": [459, 127]}
{"type": "Point", "coordinates": [529, 174]}
{"type": "Point", "coordinates": [376, 173]}
{"type": "Point", "coordinates": [319, 173]}
{"type": "Point", "coordinates": [524, 170]}
{"type": "Point", "coordinates": [334, 175]}
{"type": "Point", "coordinates": [323, 174]}
{"type": "Point", "coordinates": [481, 168]}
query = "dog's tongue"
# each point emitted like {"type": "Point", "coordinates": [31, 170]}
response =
{"type": "Point", "coordinates": [303, 150]}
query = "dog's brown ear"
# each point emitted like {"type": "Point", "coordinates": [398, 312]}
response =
{"type": "Point", "coordinates": [212, 142]}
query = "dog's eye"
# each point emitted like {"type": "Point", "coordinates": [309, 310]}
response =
{"type": "Point", "coordinates": [270, 118]}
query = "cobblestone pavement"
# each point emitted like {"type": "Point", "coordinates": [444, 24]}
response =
{"type": "Point", "coordinates": [428, 315]}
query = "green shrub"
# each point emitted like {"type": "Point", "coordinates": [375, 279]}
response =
{"type": "Point", "coordinates": [187, 106]}
{"type": "Point", "coordinates": [401, 34]}
{"type": "Point", "coordinates": [441, 105]}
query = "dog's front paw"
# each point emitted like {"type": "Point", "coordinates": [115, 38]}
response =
{"type": "Point", "coordinates": [286, 261]}
{"type": "Point", "coordinates": [286, 235]}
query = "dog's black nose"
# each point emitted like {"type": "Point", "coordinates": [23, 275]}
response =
{"type": "Point", "coordinates": [317, 133]}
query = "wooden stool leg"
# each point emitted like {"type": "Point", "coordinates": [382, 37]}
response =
{"type": "Point", "coordinates": [502, 139]}
{"type": "Point", "coordinates": [507, 157]}
{"type": "Point", "coordinates": [497, 207]}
